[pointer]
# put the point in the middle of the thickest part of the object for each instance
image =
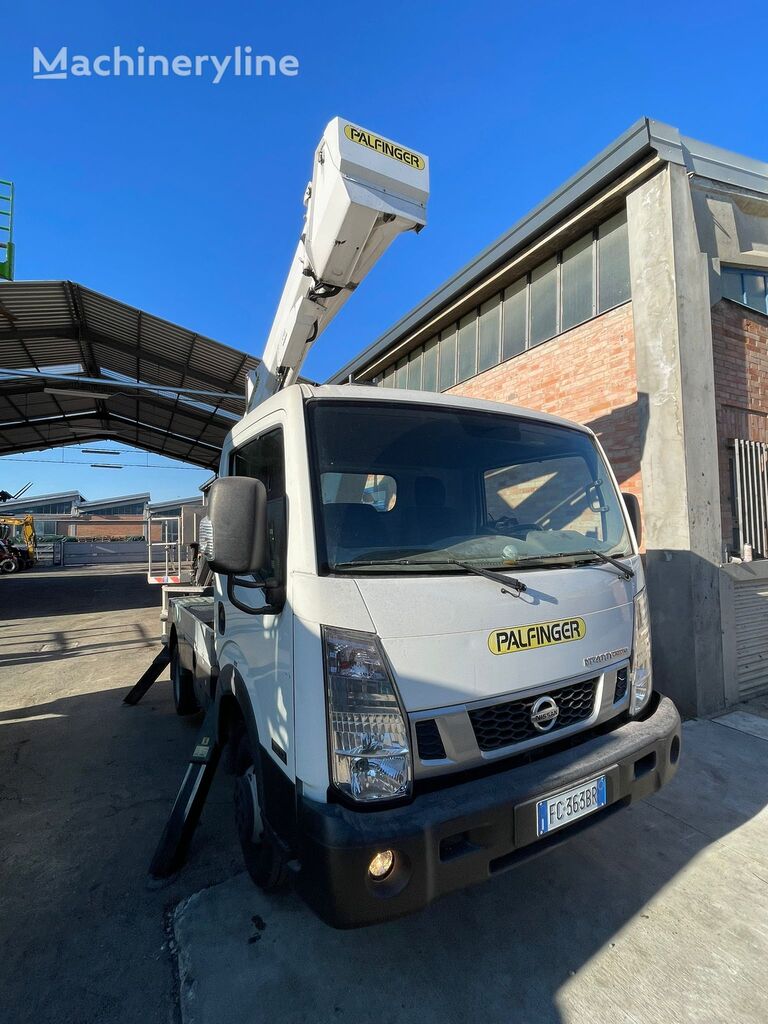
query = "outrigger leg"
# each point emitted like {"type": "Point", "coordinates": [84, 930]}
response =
{"type": "Point", "coordinates": [137, 691]}
{"type": "Point", "coordinates": [174, 843]}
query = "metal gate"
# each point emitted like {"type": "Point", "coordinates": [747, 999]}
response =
{"type": "Point", "coordinates": [750, 485]}
{"type": "Point", "coordinates": [744, 611]}
{"type": "Point", "coordinates": [751, 601]}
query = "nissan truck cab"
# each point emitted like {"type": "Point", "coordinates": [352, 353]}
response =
{"type": "Point", "coordinates": [428, 643]}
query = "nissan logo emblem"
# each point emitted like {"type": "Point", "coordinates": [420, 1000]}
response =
{"type": "Point", "coordinates": [544, 714]}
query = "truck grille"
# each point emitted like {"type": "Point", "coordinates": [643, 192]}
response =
{"type": "Point", "coordinates": [502, 725]}
{"type": "Point", "coordinates": [428, 738]}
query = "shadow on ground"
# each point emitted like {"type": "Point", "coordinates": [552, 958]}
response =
{"type": "Point", "coordinates": [656, 914]}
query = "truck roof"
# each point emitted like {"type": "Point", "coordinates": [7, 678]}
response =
{"type": "Point", "coordinates": [370, 393]}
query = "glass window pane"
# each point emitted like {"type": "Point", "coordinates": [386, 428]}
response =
{"type": "Point", "coordinates": [401, 377]}
{"type": "Point", "coordinates": [754, 291]}
{"type": "Point", "coordinates": [515, 319]}
{"type": "Point", "coordinates": [544, 302]}
{"type": "Point", "coordinates": [468, 346]}
{"type": "Point", "coordinates": [489, 333]}
{"type": "Point", "coordinates": [414, 370]}
{"type": "Point", "coordinates": [389, 377]}
{"type": "Point", "coordinates": [429, 366]}
{"type": "Point", "coordinates": [576, 283]}
{"type": "Point", "coordinates": [447, 358]}
{"type": "Point", "coordinates": [732, 286]}
{"type": "Point", "coordinates": [613, 262]}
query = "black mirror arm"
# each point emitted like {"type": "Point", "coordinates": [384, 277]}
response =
{"type": "Point", "coordinates": [273, 592]}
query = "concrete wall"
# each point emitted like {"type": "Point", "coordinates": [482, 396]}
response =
{"type": "Point", "coordinates": [679, 467]}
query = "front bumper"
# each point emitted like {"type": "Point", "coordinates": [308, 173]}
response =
{"type": "Point", "coordinates": [466, 833]}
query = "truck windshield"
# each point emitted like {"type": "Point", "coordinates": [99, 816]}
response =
{"type": "Point", "coordinates": [402, 487]}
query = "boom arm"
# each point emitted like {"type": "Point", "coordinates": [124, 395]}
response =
{"type": "Point", "coordinates": [365, 190]}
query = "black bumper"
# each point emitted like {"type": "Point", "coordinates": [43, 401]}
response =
{"type": "Point", "coordinates": [463, 834]}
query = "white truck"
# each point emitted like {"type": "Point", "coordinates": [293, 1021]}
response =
{"type": "Point", "coordinates": [427, 644]}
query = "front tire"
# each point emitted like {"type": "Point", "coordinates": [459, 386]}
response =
{"type": "Point", "coordinates": [264, 860]}
{"type": "Point", "coordinates": [184, 699]}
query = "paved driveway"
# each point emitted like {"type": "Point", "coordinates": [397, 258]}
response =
{"type": "Point", "coordinates": [659, 914]}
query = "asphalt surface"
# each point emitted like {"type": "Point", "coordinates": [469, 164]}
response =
{"type": "Point", "coordinates": [659, 914]}
{"type": "Point", "coordinates": [86, 784]}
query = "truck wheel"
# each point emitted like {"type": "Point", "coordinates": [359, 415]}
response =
{"type": "Point", "coordinates": [184, 699]}
{"type": "Point", "coordinates": [264, 861]}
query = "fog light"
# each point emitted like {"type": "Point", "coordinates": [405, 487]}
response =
{"type": "Point", "coordinates": [381, 865]}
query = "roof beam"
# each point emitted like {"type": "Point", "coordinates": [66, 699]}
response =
{"type": "Point", "coordinates": [70, 333]}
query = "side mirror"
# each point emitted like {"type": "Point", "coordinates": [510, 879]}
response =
{"type": "Point", "coordinates": [233, 536]}
{"type": "Point", "coordinates": [633, 511]}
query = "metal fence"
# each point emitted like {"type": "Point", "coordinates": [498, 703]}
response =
{"type": "Point", "coordinates": [750, 484]}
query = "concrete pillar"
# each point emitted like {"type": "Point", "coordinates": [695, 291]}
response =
{"type": "Point", "coordinates": [675, 383]}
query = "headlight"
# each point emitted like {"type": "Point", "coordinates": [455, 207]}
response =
{"type": "Point", "coordinates": [367, 730]}
{"type": "Point", "coordinates": [642, 674]}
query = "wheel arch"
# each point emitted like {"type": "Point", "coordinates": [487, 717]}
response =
{"type": "Point", "coordinates": [278, 790]}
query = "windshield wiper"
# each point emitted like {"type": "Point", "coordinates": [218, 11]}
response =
{"type": "Point", "coordinates": [625, 570]}
{"type": "Point", "coordinates": [507, 581]}
{"type": "Point", "coordinates": [518, 587]}
{"type": "Point", "coordinates": [576, 558]}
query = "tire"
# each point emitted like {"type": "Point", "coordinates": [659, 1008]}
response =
{"type": "Point", "coordinates": [8, 565]}
{"type": "Point", "coordinates": [184, 699]}
{"type": "Point", "coordinates": [264, 861]}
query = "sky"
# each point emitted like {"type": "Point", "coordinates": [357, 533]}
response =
{"type": "Point", "coordinates": [184, 197]}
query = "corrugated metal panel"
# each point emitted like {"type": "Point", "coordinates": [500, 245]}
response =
{"type": "Point", "coordinates": [751, 612]}
{"type": "Point", "coordinates": [45, 324]}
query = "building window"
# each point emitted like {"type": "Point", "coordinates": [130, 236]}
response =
{"type": "Point", "coordinates": [414, 370]}
{"type": "Point", "coordinates": [515, 319]}
{"type": "Point", "coordinates": [544, 302]}
{"type": "Point", "coordinates": [613, 262]}
{"type": "Point", "coordinates": [577, 283]}
{"type": "Point", "coordinates": [429, 366]}
{"type": "Point", "coordinates": [750, 287]}
{"type": "Point", "coordinates": [447, 358]}
{"type": "Point", "coordinates": [588, 277]}
{"type": "Point", "coordinates": [489, 334]}
{"type": "Point", "coordinates": [467, 362]}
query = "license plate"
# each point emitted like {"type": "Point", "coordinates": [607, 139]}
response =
{"type": "Point", "coordinates": [575, 803]}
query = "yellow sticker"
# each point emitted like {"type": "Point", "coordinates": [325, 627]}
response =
{"type": "Point", "coordinates": [384, 146]}
{"type": "Point", "coordinates": [540, 634]}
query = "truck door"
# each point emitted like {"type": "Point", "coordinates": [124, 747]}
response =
{"type": "Point", "coordinates": [260, 644]}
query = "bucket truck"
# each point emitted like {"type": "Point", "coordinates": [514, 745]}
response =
{"type": "Point", "coordinates": [426, 651]}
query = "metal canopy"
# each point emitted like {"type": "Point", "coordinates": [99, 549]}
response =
{"type": "Point", "coordinates": [85, 367]}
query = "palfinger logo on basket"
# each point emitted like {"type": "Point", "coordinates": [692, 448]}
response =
{"type": "Point", "coordinates": [540, 634]}
{"type": "Point", "coordinates": [242, 62]}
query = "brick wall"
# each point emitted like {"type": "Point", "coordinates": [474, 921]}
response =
{"type": "Point", "coordinates": [588, 375]}
{"type": "Point", "coordinates": [740, 343]}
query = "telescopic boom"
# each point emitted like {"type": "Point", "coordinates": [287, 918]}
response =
{"type": "Point", "coordinates": [365, 190]}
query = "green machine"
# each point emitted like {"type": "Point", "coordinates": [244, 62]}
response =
{"type": "Point", "coordinates": [6, 230]}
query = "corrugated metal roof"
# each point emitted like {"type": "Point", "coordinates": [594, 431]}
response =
{"type": "Point", "coordinates": [645, 138]}
{"type": "Point", "coordinates": [120, 499]}
{"type": "Point", "coordinates": [158, 506]}
{"type": "Point", "coordinates": [31, 501]}
{"type": "Point", "coordinates": [59, 327]}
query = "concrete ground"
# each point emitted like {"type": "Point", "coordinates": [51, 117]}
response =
{"type": "Point", "coordinates": [86, 784]}
{"type": "Point", "coordinates": [659, 914]}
